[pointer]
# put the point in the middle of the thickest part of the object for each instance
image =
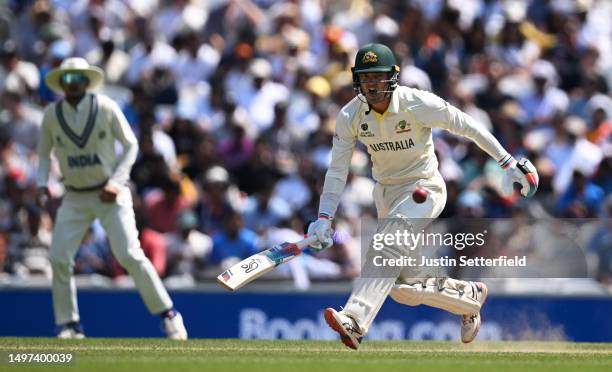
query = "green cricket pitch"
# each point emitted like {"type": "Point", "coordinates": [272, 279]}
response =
{"type": "Point", "coordinates": [226, 355]}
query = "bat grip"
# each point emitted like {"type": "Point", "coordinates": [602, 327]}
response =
{"type": "Point", "coordinates": [307, 241]}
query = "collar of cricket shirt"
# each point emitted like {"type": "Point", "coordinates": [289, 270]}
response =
{"type": "Point", "coordinates": [393, 106]}
{"type": "Point", "coordinates": [81, 140]}
{"type": "Point", "coordinates": [83, 104]}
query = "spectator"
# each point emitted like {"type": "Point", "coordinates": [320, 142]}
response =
{"type": "Point", "coordinates": [150, 168]}
{"type": "Point", "coordinates": [279, 137]}
{"type": "Point", "coordinates": [196, 62]}
{"type": "Point", "coordinates": [294, 188]}
{"type": "Point", "coordinates": [184, 135]}
{"type": "Point", "coordinates": [263, 209]}
{"type": "Point", "coordinates": [162, 142]}
{"type": "Point", "coordinates": [233, 243]}
{"type": "Point", "coordinates": [30, 244]}
{"type": "Point", "coordinates": [164, 207]}
{"type": "Point", "coordinates": [219, 199]}
{"type": "Point", "coordinates": [304, 104]}
{"type": "Point", "coordinates": [260, 99]}
{"type": "Point", "coordinates": [584, 155]}
{"type": "Point", "coordinates": [205, 156]}
{"type": "Point", "coordinates": [148, 54]}
{"type": "Point", "coordinates": [188, 248]}
{"type": "Point", "coordinates": [16, 75]}
{"type": "Point", "coordinates": [236, 150]}
{"type": "Point", "coordinates": [583, 198]}
{"type": "Point", "coordinates": [110, 57]}
{"type": "Point", "coordinates": [546, 99]}
{"type": "Point", "coordinates": [94, 256]}
{"type": "Point", "coordinates": [259, 170]}
{"type": "Point", "coordinates": [154, 244]}
{"type": "Point", "coordinates": [601, 245]}
{"type": "Point", "coordinates": [23, 121]}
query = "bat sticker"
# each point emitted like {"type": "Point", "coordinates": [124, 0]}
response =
{"type": "Point", "coordinates": [226, 275]}
{"type": "Point", "coordinates": [252, 265]}
{"type": "Point", "coordinates": [280, 253]}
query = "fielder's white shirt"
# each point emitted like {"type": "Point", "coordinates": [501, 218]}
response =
{"type": "Point", "coordinates": [399, 141]}
{"type": "Point", "coordinates": [84, 142]}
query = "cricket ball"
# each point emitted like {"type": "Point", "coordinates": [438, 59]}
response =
{"type": "Point", "coordinates": [419, 195]}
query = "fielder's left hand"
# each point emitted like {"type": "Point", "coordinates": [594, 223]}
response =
{"type": "Point", "coordinates": [523, 173]}
{"type": "Point", "coordinates": [108, 194]}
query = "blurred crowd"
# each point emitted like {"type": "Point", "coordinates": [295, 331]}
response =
{"type": "Point", "coordinates": [234, 105]}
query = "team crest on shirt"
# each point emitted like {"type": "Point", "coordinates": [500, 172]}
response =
{"type": "Point", "coordinates": [102, 135]}
{"type": "Point", "coordinates": [58, 141]}
{"type": "Point", "coordinates": [365, 130]}
{"type": "Point", "coordinates": [402, 127]}
{"type": "Point", "coordinates": [369, 57]}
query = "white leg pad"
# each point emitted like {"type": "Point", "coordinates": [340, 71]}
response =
{"type": "Point", "coordinates": [455, 296]}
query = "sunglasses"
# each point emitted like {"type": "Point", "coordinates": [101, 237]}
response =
{"type": "Point", "coordinates": [74, 78]}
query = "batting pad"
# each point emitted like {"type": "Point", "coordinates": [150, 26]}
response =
{"type": "Point", "coordinates": [455, 296]}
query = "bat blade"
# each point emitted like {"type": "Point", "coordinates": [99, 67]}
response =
{"type": "Point", "coordinates": [259, 264]}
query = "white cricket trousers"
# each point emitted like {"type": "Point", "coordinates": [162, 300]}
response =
{"type": "Point", "coordinates": [392, 201]}
{"type": "Point", "coordinates": [75, 215]}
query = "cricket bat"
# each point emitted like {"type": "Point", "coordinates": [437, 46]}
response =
{"type": "Point", "coordinates": [258, 264]}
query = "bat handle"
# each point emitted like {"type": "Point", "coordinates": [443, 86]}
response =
{"type": "Point", "coordinates": [307, 241]}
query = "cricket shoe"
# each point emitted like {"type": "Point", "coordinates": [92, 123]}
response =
{"type": "Point", "coordinates": [71, 330]}
{"type": "Point", "coordinates": [347, 327]}
{"type": "Point", "coordinates": [470, 324]}
{"type": "Point", "coordinates": [174, 327]}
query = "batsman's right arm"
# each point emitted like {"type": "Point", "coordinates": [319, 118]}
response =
{"type": "Point", "coordinates": [335, 178]}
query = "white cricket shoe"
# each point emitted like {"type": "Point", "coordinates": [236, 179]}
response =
{"type": "Point", "coordinates": [71, 330]}
{"type": "Point", "coordinates": [347, 327]}
{"type": "Point", "coordinates": [470, 324]}
{"type": "Point", "coordinates": [174, 327]}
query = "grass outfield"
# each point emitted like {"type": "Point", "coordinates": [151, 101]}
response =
{"type": "Point", "coordinates": [154, 355]}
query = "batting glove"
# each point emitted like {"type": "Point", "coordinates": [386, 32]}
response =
{"type": "Point", "coordinates": [521, 172]}
{"type": "Point", "coordinates": [321, 228]}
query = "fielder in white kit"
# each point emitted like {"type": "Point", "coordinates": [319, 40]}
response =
{"type": "Point", "coordinates": [395, 123]}
{"type": "Point", "coordinates": [82, 129]}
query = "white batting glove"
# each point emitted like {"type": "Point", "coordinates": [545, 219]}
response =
{"type": "Point", "coordinates": [521, 172]}
{"type": "Point", "coordinates": [321, 228]}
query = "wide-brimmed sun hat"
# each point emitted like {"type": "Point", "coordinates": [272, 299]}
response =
{"type": "Point", "coordinates": [75, 64]}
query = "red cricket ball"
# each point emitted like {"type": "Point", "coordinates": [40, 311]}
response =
{"type": "Point", "coordinates": [419, 195]}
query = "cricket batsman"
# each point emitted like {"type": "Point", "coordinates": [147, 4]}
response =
{"type": "Point", "coordinates": [82, 129]}
{"type": "Point", "coordinates": [395, 124]}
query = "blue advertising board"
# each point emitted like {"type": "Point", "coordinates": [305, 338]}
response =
{"type": "Point", "coordinates": [108, 313]}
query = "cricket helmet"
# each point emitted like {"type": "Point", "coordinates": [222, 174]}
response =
{"type": "Point", "coordinates": [375, 57]}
